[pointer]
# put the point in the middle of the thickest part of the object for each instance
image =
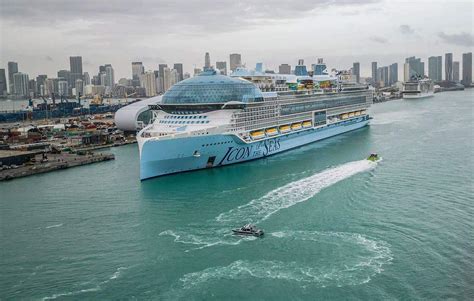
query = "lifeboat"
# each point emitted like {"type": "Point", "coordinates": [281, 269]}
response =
{"type": "Point", "coordinates": [345, 116]}
{"type": "Point", "coordinates": [307, 124]}
{"type": "Point", "coordinates": [296, 126]}
{"type": "Point", "coordinates": [271, 132]}
{"type": "Point", "coordinates": [257, 134]}
{"type": "Point", "coordinates": [357, 113]}
{"type": "Point", "coordinates": [285, 129]}
{"type": "Point", "coordinates": [351, 114]}
{"type": "Point", "coordinates": [363, 112]}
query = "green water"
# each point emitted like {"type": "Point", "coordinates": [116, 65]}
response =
{"type": "Point", "coordinates": [337, 227]}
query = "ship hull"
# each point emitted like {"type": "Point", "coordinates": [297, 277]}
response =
{"type": "Point", "coordinates": [418, 96]}
{"type": "Point", "coordinates": [168, 156]}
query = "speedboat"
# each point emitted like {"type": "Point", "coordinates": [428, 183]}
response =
{"type": "Point", "coordinates": [248, 230]}
{"type": "Point", "coordinates": [373, 157]}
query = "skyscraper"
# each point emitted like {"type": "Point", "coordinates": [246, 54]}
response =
{"type": "Point", "coordinates": [235, 61]}
{"type": "Point", "coordinates": [356, 71]}
{"type": "Point", "coordinates": [109, 76]}
{"type": "Point", "coordinates": [374, 73]}
{"type": "Point", "coordinates": [467, 69]}
{"type": "Point", "coordinates": [448, 66]}
{"type": "Point", "coordinates": [207, 60]}
{"type": "Point", "coordinates": [149, 81]}
{"type": "Point", "coordinates": [222, 67]}
{"type": "Point", "coordinates": [393, 73]}
{"type": "Point", "coordinates": [20, 84]}
{"type": "Point", "coordinates": [87, 78]}
{"type": "Point", "coordinates": [3, 83]}
{"type": "Point", "coordinates": [63, 88]}
{"type": "Point", "coordinates": [161, 70]}
{"type": "Point", "coordinates": [170, 78]}
{"type": "Point", "coordinates": [79, 85]}
{"type": "Point", "coordinates": [284, 69]}
{"type": "Point", "coordinates": [435, 68]}
{"type": "Point", "coordinates": [40, 81]}
{"type": "Point", "coordinates": [413, 67]}
{"type": "Point", "coordinates": [179, 68]}
{"type": "Point", "coordinates": [385, 76]}
{"type": "Point", "coordinates": [137, 71]}
{"type": "Point", "coordinates": [456, 72]}
{"type": "Point", "coordinates": [12, 69]}
{"type": "Point", "coordinates": [75, 63]}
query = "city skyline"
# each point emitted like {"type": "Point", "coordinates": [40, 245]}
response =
{"type": "Point", "coordinates": [94, 34]}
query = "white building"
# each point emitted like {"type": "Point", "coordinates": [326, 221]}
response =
{"type": "Point", "coordinates": [149, 82]}
{"type": "Point", "coordinates": [20, 84]}
{"type": "Point", "coordinates": [109, 76]}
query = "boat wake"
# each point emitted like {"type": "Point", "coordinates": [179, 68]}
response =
{"type": "Point", "coordinates": [366, 260]}
{"type": "Point", "coordinates": [293, 193]}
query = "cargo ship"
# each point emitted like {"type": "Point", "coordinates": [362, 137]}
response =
{"type": "Point", "coordinates": [213, 120]}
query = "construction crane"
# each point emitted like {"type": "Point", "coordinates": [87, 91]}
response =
{"type": "Point", "coordinates": [127, 95]}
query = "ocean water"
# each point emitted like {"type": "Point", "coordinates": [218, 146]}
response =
{"type": "Point", "coordinates": [336, 226]}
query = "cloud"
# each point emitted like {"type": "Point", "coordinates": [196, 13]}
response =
{"type": "Point", "coordinates": [380, 40]}
{"type": "Point", "coordinates": [462, 39]}
{"type": "Point", "coordinates": [406, 29]}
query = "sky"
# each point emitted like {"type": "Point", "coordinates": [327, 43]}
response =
{"type": "Point", "coordinates": [41, 35]}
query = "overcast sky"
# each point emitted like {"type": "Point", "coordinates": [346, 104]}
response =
{"type": "Point", "coordinates": [41, 35]}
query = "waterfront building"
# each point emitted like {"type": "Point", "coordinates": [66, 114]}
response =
{"type": "Point", "coordinates": [259, 67]}
{"type": "Point", "coordinates": [109, 76]}
{"type": "Point", "coordinates": [3, 83]}
{"type": "Point", "coordinates": [79, 87]}
{"type": "Point", "coordinates": [374, 73]}
{"type": "Point", "coordinates": [435, 68]}
{"type": "Point", "coordinates": [222, 67]}
{"type": "Point", "coordinates": [448, 66]}
{"type": "Point", "coordinates": [235, 61]}
{"type": "Point", "coordinates": [467, 69]}
{"type": "Point", "coordinates": [63, 88]}
{"type": "Point", "coordinates": [179, 68]}
{"type": "Point", "coordinates": [356, 71]}
{"type": "Point", "coordinates": [87, 78]}
{"type": "Point", "coordinates": [284, 69]}
{"type": "Point", "coordinates": [149, 81]}
{"type": "Point", "coordinates": [456, 73]}
{"type": "Point", "coordinates": [161, 73]}
{"type": "Point", "coordinates": [393, 73]}
{"type": "Point", "coordinates": [300, 69]}
{"type": "Point", "coordinates": [137, 71]}
{"type": "Point", "coordinates": [12, 69]}
{"type": "Point", "coordinates": [207, 61]}
{"type": "Point", "coordinates": [320, 67]}
{"type": "Point", "coordinates": [20, 84]}
{"type": "Point", "coordinates": [75, 63]}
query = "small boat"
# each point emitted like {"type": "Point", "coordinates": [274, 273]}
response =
{"type": "Point", "coordinates": [271, 131]}
{"type": "Point", "coordinates": [248, 229]}
{"type": "Point", "coordinates": [373, 157]}
{"type": "Point", "coordinates": [307, 124]}
{"type": "Point", "coordinates": [285, 129]}
{"type": "Point", "coordinates": [257, 134]}
{"type": "Point", "coordinates": [296, 126]}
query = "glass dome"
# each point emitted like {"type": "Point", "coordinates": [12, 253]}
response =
{"type": "Point", "coordinates": [210, 87]}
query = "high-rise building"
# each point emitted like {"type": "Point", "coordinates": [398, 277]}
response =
{"type": "Point", "coordinates": [137, 71]}
{"type": "Point", "coordinates": [374, 73]}
{"type": "Point", "coordinates": [300, 69]}
{"type": "Point", "coordinates": [467, 69]}
{"type": "Point", "coordinates": [32, 88]}
{"type": "Point", "coordinates": [284, 69]}
{"type": "Point", "coordinates": [356, 71]}
{"type": "Point", "coordinates": [63, 88]}
{"type": "Point", "coordinates": [393, 73]}
{"type": "Point", "coordinates": [179, 68]}
{"type": "Point", "coordinates": [79, 87]}
{"type": "Point", "coordinates": [75, 63]}
{"type": "Point", "coordinates": [109, 76]}
{"type": "Point", "coordinates": [87, 78]}
{"type": "Point", "coordinates": [456, 73]}
{"type": "Point", "coordinates": [102, 78]}
{"type": "Point", "coordinates": [448, 66]}
{"type": "Point", "coordinates": [197, 71]}
{"type": "Point", "coordinates": [259, 67]}
{"type": "Point", "coordinates": [149, 82]}
{"type": "Point", "coordinates": [235, 61]}
{"type": "Point", "coordinates": [161, 70]}
{"type": "Point", "coordinates": [207, 61]}
{"type": "Point", "coordinates": [222, 67]}
{"type": "Point", "coordinates": [171, 77]}
{"type": "Point", "coordinates": [187, 75]}
{"type": "Point", "coordinates": [413, 67]}
{"type": "Point", "coordinates": [320, 67]}
{"type": "Point", "coordinates": [20, 84]}
{"type": "Point", "coordinates": [40, 81]}
{"type": "Point", "coordinates": [435, 68]}
{"type": "Point", "coordinates": [12, 69]}
{"type": "Point", "coordinates": [3, 83]}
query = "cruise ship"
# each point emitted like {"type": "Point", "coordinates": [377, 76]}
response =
{"type": "Point", "coordinates": [213, 120]}
{"type": "Point", "coordinates": [418, 88]}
